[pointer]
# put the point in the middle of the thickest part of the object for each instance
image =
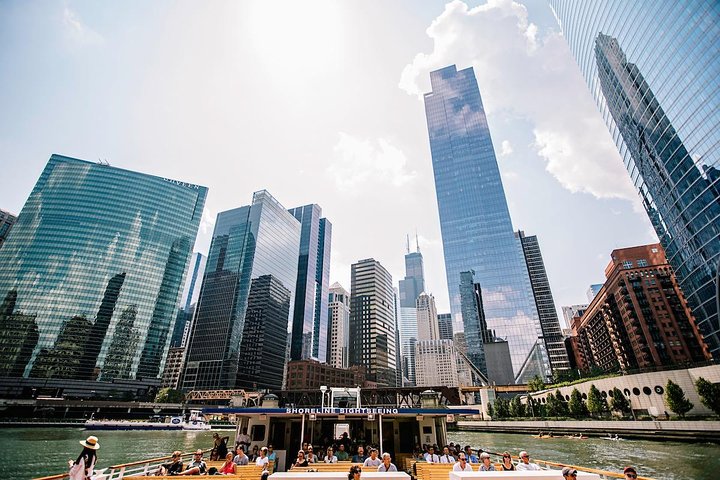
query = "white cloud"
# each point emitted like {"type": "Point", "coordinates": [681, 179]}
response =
{"type": "Point", "coordinates": [361, 164]}
{"type": "Point", "coordinates": [534, 76]}
{"type": "Point", "coordinates": [77, 31]}
{"type": "Point", "coordinates": [506, 148]}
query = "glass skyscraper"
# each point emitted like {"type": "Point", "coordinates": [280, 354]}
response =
{"type": "Point", "coordinates": [91, 274]}
{"type": "Point", "coordinates": [410, 289]}
{"type": "Point", "coordinates": [190, 296]}
{"type": "Point", "coordinates": [654, 70]}
{"type": "Point", "coordinates": [474, 219]}
{"type": "Point", "coordinates": [310, 318]}
{"type": "Point", "coordinates": [253, 246]}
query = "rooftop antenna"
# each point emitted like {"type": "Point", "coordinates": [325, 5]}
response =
{"type": "Point", "coordinates": [417, 241]}
{"type": "Point", "coordinates": [407, 242]}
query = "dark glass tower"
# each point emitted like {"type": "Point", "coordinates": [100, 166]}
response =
{"type": "Point", "coordinates": [310, 318]}
{"type": "Point", "coordinates": [654, 69]}
{"type": "Point", "coordinates": [474, 219]}
{"type": "Point", "coordinates": [552, 334]}
{"type": "Point", "coordinates": [93, 243]}
{"type": "Point", "coordinates": [258, 240]}
{"type": "Point", "coordinates": [410, 289]}
{"type": "Point", "coordinates": [474, 323]}
{"type": "Point", "coordinates": [191, 294]}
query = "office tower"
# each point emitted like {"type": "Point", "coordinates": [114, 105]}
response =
{"type": "Point", "coordinates": [639, 319]}
{"type": "Point", "coordinates": [7, 220]}
{"type": "Point", "coordinates": [552, 334]}
{"type": "Point", "coordinates": [593, 290]}
{"type": "Point", "coordinates": [474, 218]}
{"type": "Point", "coordinates": [445, 326]}
{"type": "Point", "coordinates": [473, 316]}
{"type": "Point", "coordinates": [190, 296]}
{"type": "Point", "coordinates": [427, 318]}
{"type": "Point", "coordinates": [311, 375]}
{"type": "Point", "coordinates": [436, 363]}
{"type": "Point", "coordinates": [264, 334]}
{"type": "Point", "coordinates": [572, 311]}
{"type": "Point", "coordinates": [339, 315]}
{"type": "Point", "coordinates": [372, 321]}
{"type": "Point", "coordinates": [410, 288]}
{"type": "Point", "coordinates": [95, 247]}
{"type": "Point", "coordinates": [653, 68]}
{"type": "Point", "coordinates": [255, 241]}
{"type": "Point", "coordinates": [310, 317]}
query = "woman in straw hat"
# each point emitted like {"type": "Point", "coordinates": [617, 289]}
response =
{"type": "Point", "coordinates": [82, 468]}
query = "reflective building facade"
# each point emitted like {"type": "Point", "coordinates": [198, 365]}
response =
{"type": "Point", "coordinates": [250, 242]}
{"type": "Point", "coordinates": [310, 317]}
{"type": "Point", "coordinates": [474, 219]}
{"type": "Point", "coordinates": [7, 220]}
{"type": "Point", "coordinates": [654, 70]}
{"type": "Point", "coordinates": [190, 296]}
{"type": "Point", "coordinates": [410, 289]}
{"type": "Point", "coordinates": [92, 273]}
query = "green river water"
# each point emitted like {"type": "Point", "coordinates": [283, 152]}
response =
{"type": "Point", "coordinates": [33, 452]}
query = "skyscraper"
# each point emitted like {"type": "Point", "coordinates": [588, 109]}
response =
{"type": "Point", "coordinates": [310, 317]}
{"type": "Point", "coordinates": [445, 326]}
{"type": "Point", "coordinates": [654, 69]}
{"type": "Point", "coordinates": [593, 290]}
{"type": "Point", "coordinates": [7, 220]}
{"type": "Point", "coordinates": [475, 222]}
{"type": "Point", "coordinates": [552, 334]}
{"type": "Point", "coordinates": [339, 315]}
{"type": "Point", "coordinates": [96, 259]}
{"type": "Point", "coordinates": [250, 242]}
{"type": "Point", "coordinates": [427, 321]}
{"type": "Point", "coordinates": [372, 321]}
{"type": "Point", "coordinates": [190, 296]}
{"type": "Point", "coordinates": [410, 288]}
{"type": "Point", "coordinates": [473, 315]}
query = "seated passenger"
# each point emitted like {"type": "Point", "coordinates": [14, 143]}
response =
{"type": "Point", "coordinates": [569, 473]}
{"type": "Point", "coordinates": [354, 473]}
{"type": "Point", "coordinates": [525, 464]}
{"type": "Point", "coordinates": [360, 456]}
{"type": "Point", "coordinates": [630, 473]}
{"type": "Point", "coordinates": [342, 454]}
{"type": "Point", "coordinates": [431, 456]}
{"type": "Point", "coordinates": [173, 467]}
{"type": "Point", "coordinates": [486, 465]}
{"type": "Point", "coordinates": [462, 465]}
{"type": "Point", "coordinates": [372, 460]}
{"type": "Point", "coordinates": [387, 465]}
{"type": "Point", "coordinates": [446, 457]}
{"type": "Point", "coordinates": [241, 458]}
{"type": "Point", "coordinates": [228, 468]}
{"type": "Point", "coordinates": [471, 457]}
{"type": "Point", "coordinates": [197, 466]}
{"type": "Point", "coordinates": [301, 460]}
{"type": "Point", "coordinates": [311, 457]}
{"type": "Point", "coordinates": [507, 464]}
{"type": "Point", "coordinates": [330, 457]}
{"type": "Point", "coordinates": [262, 461]}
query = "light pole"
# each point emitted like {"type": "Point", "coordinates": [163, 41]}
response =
{"type": "Point", "coordinates": [323, 389]}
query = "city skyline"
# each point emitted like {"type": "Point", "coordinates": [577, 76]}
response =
{"type": "Point", "coordinates": [349, 152]}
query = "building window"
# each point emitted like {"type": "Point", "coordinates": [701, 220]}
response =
{"type": "Point", "coordinates": [627, 264]}
{"type": "Point", "coordinates": [642, 263]}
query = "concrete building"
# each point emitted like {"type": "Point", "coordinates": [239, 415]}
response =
{"type": "Point", "coordinates": [311, 374]}
{"type": "Point", "coordinates": [372, 321]}
{"type": "Point", "coordinates": [7, 220]}
{"type": "Point", "coordinates": [435, 363]}
{"type": "Point", "coordinates": [639, 319]}
{"type": "Point", "coordinates": [427, 318]}
{"type": "Point", "coordinates": [173, 367]}
{"type": "Point", "coordinates": [339, 315]}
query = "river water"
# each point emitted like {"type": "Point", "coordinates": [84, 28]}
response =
{"type": "Point", "coordinates": [34, 452]}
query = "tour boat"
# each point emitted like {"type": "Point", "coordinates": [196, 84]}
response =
{"type": "Point", "coordinates": [196, 421]}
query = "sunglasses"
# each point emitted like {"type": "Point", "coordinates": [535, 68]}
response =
{"type": "Point", "coordinates": [631, 475]}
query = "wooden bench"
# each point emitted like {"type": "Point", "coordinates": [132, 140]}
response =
{"type": "Point", "coordinates": [219, 464]}
{"type": "Point", "coordinates": [244, 472]}
{"type": "Point", "coordinates": [327, 467]}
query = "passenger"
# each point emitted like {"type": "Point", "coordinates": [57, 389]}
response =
{"type": "Point", "coordinates": [354, 473]}
{"type": "Point", "coordinates": [301, 460]}
{"type": "Point", "coordinates": [219, 450]}
{"type": "Point", "coordinates": [360, 456]}
{"type": "Point", "coordinates": [272, 456]}
{"type": "Point", "coordinates": [262, 461]}
{"type": "Point", "coordinates": [507, 464]}
{"type": "Point", "coordinates": [342, 454]}
{"type": "Point", "coordinates": [173, 467]}
{"type": "Point", "coordinates": [471, 457]}
{"type": "Point", "coordinates": [630, 473]}
{"type": "Point", "coordinates": [431, 456]}
{"type": "Point", "coordinates": [330, 457]}
{"type": "Point", "coordinates": [387, 465]}
{"type": "Point", "coordinates": [525, 464]}
{"type": "Point", "coordinates": [197, 466]}
{"type": "Point", "coordinates": [462, 465]}
{"type": "Point", "coordinates": [305, 447]}
{"type": "Point", "coordinates": [372, 460]}
{"type": "Point", "coordinates": [241, 458]}
{"type": "Point", "coordinates": [311, 457]}
{"type": "Point", "coordinates": [228, 468]}
{"type": "Point", "coordinates": [254, 455]}
{"type": "Point", "coordinates": [486, 465]}
{"type": "Point", "coordinates": [345, 440]}
{"type": "Point", "coordinates": [243, 440]}
{"type": "Point", "coordinates": [83, 467]}
{"type": "Point", "coordinates": [446, 457]}
{"type": "Point", "coordinates": [569, 473]}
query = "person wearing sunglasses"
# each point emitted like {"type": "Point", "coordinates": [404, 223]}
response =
{"type": "Point", "coordinates": [507, 464]}
{"type": "Point", "coordinates": [630, 473]}
{"type": "Point", "coordinates": [569, 473]}
{"type": "Point", "coordinates": [525, 464]}
{"type": "Point", "coordinates": [462, 465]}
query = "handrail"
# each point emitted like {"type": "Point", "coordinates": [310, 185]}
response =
{"type": "Point", "coordinates": [151, 460]}
{"type": "Point", "coordinates": [584, 469]}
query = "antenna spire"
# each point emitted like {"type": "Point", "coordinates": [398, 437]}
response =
{"type": "Point", "coordinates": [417, 241]}
{"type": "Point", "coordinates": [407, 242]}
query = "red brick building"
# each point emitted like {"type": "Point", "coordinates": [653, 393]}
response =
{"type": "Point", "coordinates": [639, 319]}
{"type": "Point", "coordinates": [311, 374]}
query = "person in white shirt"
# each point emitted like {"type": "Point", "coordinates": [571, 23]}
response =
{"type": "Point", "coordinates": [311, 457]}
{"type": "Point", "coordinates": [387, 465]}
{"type": "Point", "coordinates": [263, 461]}
{"type": "Point", "coordinates": [524, 463]}
{"type": "Point", "coordinates": [431, 456]}
{"type": "Point", "coordinates": [462, 465]}
{"type": "Point", "coordinates": [372, 460]}
{"type": "Point", "coordinates": [330, 457]}
{"type": "Point", "coordinates": [446, 457]}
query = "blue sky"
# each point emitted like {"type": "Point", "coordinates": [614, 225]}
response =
{"type": "Point", "coordinates": [318, 102]}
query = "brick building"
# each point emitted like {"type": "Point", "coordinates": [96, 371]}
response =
{"type": "Point", "coordinates": [311, 374]}
{"type": "Point", "coordinates": [639, 318]}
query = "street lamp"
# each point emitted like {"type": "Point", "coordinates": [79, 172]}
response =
{"type": "Point", "coordinates": [323, 389]}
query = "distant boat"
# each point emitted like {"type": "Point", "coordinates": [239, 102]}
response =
{"type": "Point", "coordinates": [195, 422]}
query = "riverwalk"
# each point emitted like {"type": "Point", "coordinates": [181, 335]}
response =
{"type": "Point", "coordinates": [679, 430]}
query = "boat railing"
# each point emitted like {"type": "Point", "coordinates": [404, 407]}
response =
{"type": "Point", "coordinates": [603, 473]}
{"type": "Point", "coordinates": [132, 469]}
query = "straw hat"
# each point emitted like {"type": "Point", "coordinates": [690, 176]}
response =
{"type": "Point", "coordinates": [91, 442]}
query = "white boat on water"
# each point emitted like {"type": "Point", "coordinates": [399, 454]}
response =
{"type": "Point", "coordinates": [196, 421]}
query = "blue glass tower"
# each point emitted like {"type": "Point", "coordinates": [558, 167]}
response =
{"type": "Point", "coordinates": [474, 219]}
{"type": "Point", "coordinates": [654, 69]}
{"type": "Point", "coordinates": [190, 296]}
{"type": "Point", "coordinates": [310, 318]}
{"type": "Point", "coordinates": [253, 246]}
{"type": "Point", "coordinates": [92, 272]}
